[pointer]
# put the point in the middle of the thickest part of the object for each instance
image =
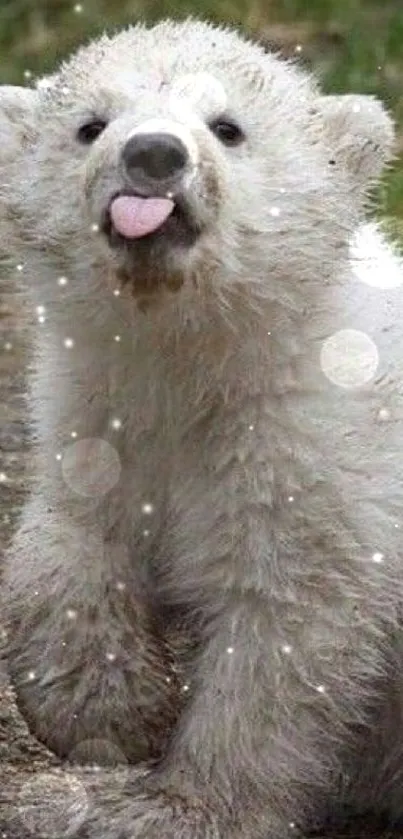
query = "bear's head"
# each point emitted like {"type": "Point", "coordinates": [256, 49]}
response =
{"type": "Point", "coordinates": [184, 156]}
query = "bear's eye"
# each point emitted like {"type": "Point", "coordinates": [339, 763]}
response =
{"type": "Point", "coordinates": [227, 131]}
{"type": "Point", "coordinates": [89, 132]}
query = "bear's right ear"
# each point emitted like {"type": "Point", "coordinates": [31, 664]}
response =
{"type": "Point", "coordinates": [18, 108]}
{"type": "Point", "coordinates": [358, 132]}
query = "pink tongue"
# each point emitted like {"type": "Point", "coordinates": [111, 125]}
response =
{"type": "Point", "coordinates": [134, 217]}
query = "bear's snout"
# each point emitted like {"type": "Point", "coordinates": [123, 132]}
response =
{"type": "Point", "coordinates": [154, 163]}
{"type": "Point", "coordinates": [154, 202]}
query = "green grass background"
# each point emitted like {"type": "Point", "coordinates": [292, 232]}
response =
{"type": "Point", "coordinates": [353, 45]}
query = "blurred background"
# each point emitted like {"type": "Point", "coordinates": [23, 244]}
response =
{"type": "Point", "coordinates": [353, 45]}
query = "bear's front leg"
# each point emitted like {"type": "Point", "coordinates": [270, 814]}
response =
{"type": "Point", "coordinates": [93, 677]}
{"type": "Point", "coordinates": [283, 674]}
{"type": "Point", "coordinates": [253, 754]}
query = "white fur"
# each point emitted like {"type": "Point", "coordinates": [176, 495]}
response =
{"type": "Point", "coordinates": [201, 91]}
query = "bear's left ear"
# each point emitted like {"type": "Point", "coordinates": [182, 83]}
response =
{"type": "Point", "coordinates": [358, 132]}
{"type": "Point", "coordinates": [18, 112]}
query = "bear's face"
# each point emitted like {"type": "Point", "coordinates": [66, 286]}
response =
{"type": "Point", "coordinates": [183, 152]}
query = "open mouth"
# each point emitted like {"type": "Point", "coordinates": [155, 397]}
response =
{"type": "Point", "coordinates": [131, 219]}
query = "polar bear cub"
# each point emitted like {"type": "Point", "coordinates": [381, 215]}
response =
{"type": "Point", "coordinates": [208, 571]}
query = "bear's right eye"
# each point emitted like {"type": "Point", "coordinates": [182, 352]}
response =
{"type": "Point", "coordinates": [227, 131]}
{"type": "Point", "coordinates": [89, 132]}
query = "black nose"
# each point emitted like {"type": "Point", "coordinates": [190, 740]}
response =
{"type": "Point", "coordinates": [153, 160]}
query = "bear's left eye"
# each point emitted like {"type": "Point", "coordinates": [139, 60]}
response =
{"type": "Point", "coordinates": [227, 131]}
{"type": "Point", "coordinates": [89, 132]}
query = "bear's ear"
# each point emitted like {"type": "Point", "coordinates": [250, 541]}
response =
{"type": "Point", "coordinates": [18, 107]}
{"type": "Point", "coordinates": [358, 132]}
